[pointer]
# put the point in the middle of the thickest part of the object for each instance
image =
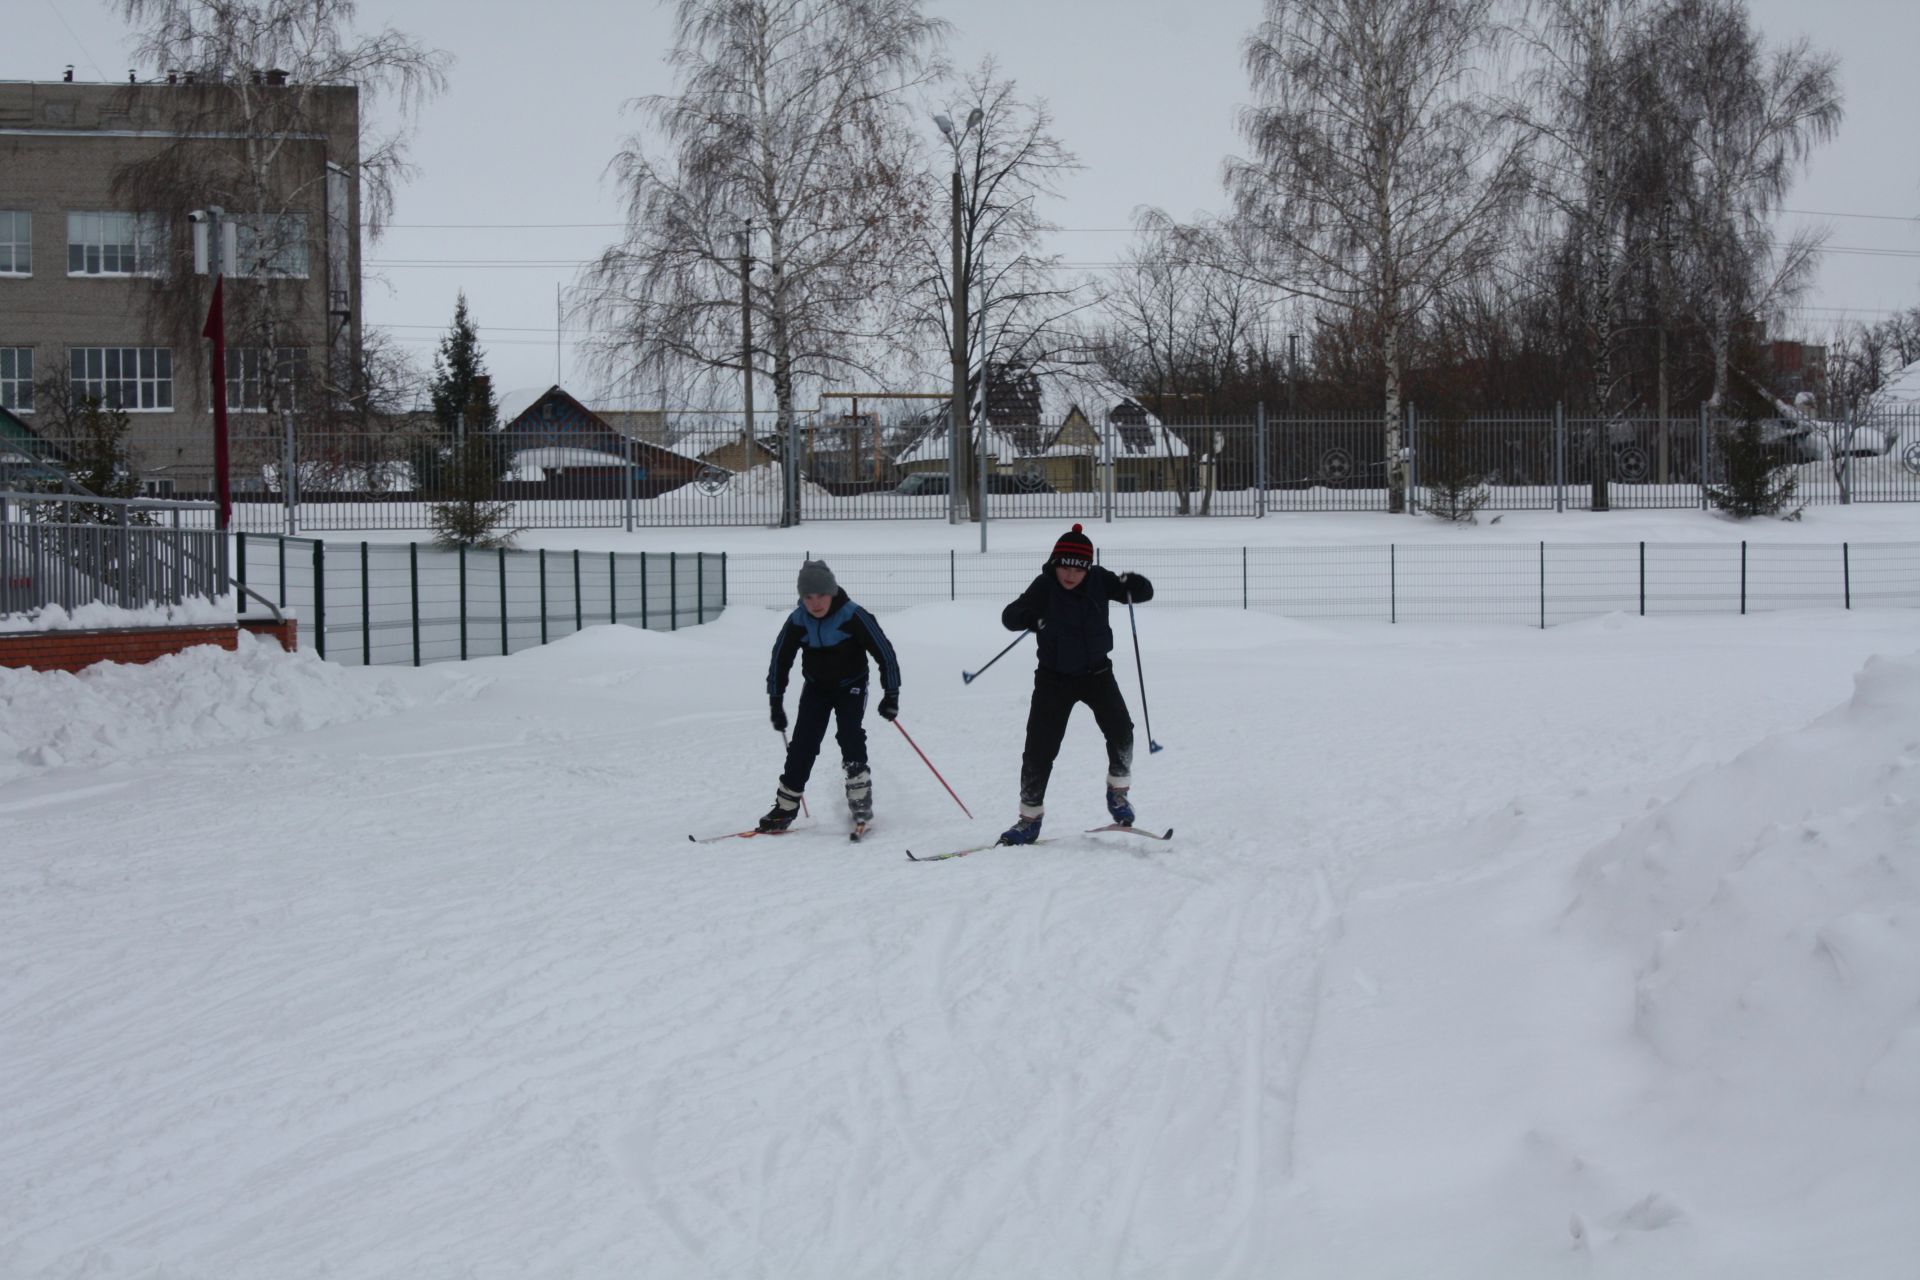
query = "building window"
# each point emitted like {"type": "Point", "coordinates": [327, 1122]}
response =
{"type": "Point", "coordinates": [250, 387]}
{"type": "Point", "coordinates": [137, 379]}
{"type": "Point", "coordinates": [271, 246]}
{"type": "Point", "coordinates": [16, 243]}
{"type": "Point", "coordinates": [116, 244]}
{"type": "Point", "coordinates": [156, 487]}
{"type": "Point", "coordinates": [16, 379]}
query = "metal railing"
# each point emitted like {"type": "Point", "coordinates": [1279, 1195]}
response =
{"type": "Point", "coordinates": [1537, 584]}
{"type": "Point", "coordinates": [372, 604]}
{"type": "Point", "coordinates": [66, 550]}
{"type": "Point", "coordinates": [710, 470]}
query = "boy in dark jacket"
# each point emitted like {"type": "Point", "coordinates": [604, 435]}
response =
{"type": "Point", "coordinates": [1066, 609]}
{"type": "Point", "coordinates": [834, 635]}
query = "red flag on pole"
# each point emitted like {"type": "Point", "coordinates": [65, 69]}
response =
{"type": "Point", "coordinates": [216, 329]}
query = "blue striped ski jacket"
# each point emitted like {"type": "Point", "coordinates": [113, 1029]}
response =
{"type": "Point", "coordinates": [834, 649]}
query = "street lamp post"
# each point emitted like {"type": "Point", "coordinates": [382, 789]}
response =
{"type": "Point", "coordinates": [958, 470]}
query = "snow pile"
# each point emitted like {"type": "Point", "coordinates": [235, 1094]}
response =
{"type": "Point", "coordinates": [195, 611]}
{"type": "Point", "coordinates": [1771, 907]}
{"type": "Point", "coordinates": [1771, 912]}
{"type": "Point", "coordinates": [766, 480]}
{"type": "Point", "coordinates": [204, 696]}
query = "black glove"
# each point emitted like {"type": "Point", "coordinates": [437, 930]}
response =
{"type": "Point", "coordinates": [890, 706]}
{"type": "Point", "coordinates": [779, 716]}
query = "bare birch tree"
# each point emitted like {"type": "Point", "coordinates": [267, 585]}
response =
{"type": "Point", "coordinates": [295, 88]}
{"type": "Point", "coordinates": [786, 142]}
{"type": "Point", "coordinates": [1379, 175]}
{"type": "Point", "coordinates": [1749, 121]}
{"type": "Point", "coordinates": [1017, 302]}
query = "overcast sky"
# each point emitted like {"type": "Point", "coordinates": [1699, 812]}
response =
{"type": "Point", "coordinates": [1145, 91]}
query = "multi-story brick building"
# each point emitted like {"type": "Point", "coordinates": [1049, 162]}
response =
{"type": "Point", "coordinates": [97, 257]}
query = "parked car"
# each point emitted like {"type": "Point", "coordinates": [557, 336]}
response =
{"type": "Point", "coordinates": [922, 484]}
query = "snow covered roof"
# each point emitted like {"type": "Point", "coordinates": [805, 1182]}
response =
{"type": "Point", "coordinates": [517, 401]}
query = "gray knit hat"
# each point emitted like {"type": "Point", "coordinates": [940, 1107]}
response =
{"type": "Point", "coordinates": [816, 579]}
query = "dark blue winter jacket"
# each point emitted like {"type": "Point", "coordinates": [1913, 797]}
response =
{"type": "Point", "coordinates": [834, 649]}
{"type": "Point", "coordinates": [1074, 637]}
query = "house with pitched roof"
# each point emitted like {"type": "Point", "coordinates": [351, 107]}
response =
{"type": "Point", "coordinates": [1060, 426]}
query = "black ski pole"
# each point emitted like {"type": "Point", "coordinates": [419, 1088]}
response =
{"type": "Point", "coordinates": [966, 677]}
{"type": "Point", "coordinates": [1146, 715]}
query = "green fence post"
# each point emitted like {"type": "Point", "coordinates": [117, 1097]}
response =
{"type": "Point", "coordinates": [320, 598]}
{"type": "Point", "coordinates": [673, 590]}
{"type": "Point", "coordinates": [613, 596]}
{"type": "Point", "coordinates": [1543, 586]}
{"type": "Point", "coordinates": [503, 602]}
{"type": "Point", "coordinates": [463, 602]}
{"type": "Point", "coordinates": [953, 584]}
{"type": "Point", "coordinates": [1243, 576]}
{"type": "Point", "coordinates": [413, 575]}
{"type": "Point", "coordinates": [1846, 575]}
{"type": "Point", "coordinates": [579, 606]}
{"type": "Point", "coordinates": [723, 580]}
{"type": "Point", "coordinates": [1643, 579]}
{"type": "Point", "coordinates": [366, 612]}
{"type": "Point", "coordinates": [643, 591]}
{"type": "Point", "coordinates": [1393, 582]}
{"type": "Point", "coordinates": [240, 562]}
{"type": "Point", "coordinates": [700, 587]}
{"type": "Point", "coordinates": [1743, 577]}
{"type": "Point", "coordinates": [543, 595]}
{"type": "Point", "coordinates": [283, 572]}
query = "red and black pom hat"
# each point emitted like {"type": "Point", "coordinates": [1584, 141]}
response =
{"type": "Point", "coordinates": [1074, 550]}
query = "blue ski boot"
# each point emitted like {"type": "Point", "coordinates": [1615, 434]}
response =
{"type": "Point", "coordinates": [1117, 806]}
{"type": "Point", "coordinates": [1024, 831]}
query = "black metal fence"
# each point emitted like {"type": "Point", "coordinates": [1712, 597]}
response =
{"type": "Point", "coordinates": [57, 549]}
{"type": "Point", "coordinates": [1538, 584]}
{"type": "Point", "coordinates": [372, 604]}
{"type": "Point", "coordinates": [710, 470]}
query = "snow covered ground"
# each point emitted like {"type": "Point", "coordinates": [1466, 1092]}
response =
{"type": "Point", "coordinates": [1479, 951]}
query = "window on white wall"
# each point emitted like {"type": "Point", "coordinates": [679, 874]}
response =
{"type": "Point", "coordinates": [254, 387]}
{"type": "Point", "coordinates": [16, 379]}
{"type": "Point", "coordinates": [137, 379]}
{"type": "Point", "coordinates": [273, 246]}
{"type": "Point", "coordinates": [116, 244]}
{"type": "Point", "coordinates": [16, 243]}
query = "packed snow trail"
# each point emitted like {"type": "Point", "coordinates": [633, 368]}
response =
{"type": "Point", "coordinates": [447, 992]}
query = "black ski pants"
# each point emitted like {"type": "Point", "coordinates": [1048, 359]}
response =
{"type": "Point", "coordinates": [1054, 696]}
{"type": "Point", "coordinates": [846, 704]}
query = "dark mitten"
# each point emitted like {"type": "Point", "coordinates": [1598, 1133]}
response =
{"type": "Point", "coordinates": [890, 706]}
{"type": "Point", "coordinates": [779, 716]}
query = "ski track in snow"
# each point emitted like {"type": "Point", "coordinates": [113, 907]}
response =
{"type": "Point", "coordinates": [450, 994]}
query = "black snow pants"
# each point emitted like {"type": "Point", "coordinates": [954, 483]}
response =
{"type": "Point", "coordinates": [1054, 696]}
{"type": "Point", "coordinates": [846, 704]}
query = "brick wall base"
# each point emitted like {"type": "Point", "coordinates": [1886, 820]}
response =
{"type": "Point", "coordinates": [77, 649]}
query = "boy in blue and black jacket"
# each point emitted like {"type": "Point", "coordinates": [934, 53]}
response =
{"type": "Point", "coordinates": [834, 636]}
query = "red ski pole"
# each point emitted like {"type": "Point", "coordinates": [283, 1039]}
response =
{"type": "Point", "coordinates": [936, 773]}
{"type": "Point", "coordinates": [803, 799]}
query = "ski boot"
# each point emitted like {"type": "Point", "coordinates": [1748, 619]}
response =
{"type": "Point", "coordinates": [1024, 831]}
{"type": "Point", "coordinates": [859, 797]}
{"type": "Point", "coordinates": [786, 806]}
{"type": "Point", "coordinates": [1118, 808]}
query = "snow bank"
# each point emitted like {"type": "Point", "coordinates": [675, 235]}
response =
{"type": "Point", "coordinates": [204, 696]}
{"type": "Point", "coordinates": [1774, 925]}
{"type": "Point", "coordinates": [192, 612]}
